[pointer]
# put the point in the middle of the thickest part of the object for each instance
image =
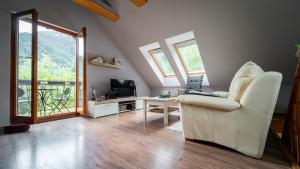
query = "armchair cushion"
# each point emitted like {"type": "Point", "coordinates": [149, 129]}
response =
{"type": "Point", "coordinates": [239, 88]}
{"type": "Point", "coordinates": [209, 102]}
{"type": "Point", "coordinates": [242, 79]}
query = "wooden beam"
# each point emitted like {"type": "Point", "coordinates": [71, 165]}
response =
{"type": "Point", "coordinates": [98, 9]}
{"type": "Point", "coordinates": [139, 3]}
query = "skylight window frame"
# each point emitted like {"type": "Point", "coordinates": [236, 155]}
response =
{"type": "Point", "coordinates": [182, 60]}
{"type": "Point", "coordinates": [158, 63]}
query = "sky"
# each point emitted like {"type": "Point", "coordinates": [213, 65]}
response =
{"type": "Point", "coordinates": [26, 27]}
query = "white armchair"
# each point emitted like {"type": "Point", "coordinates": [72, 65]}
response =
{"type": "Point", "coordinates": [241, 118]}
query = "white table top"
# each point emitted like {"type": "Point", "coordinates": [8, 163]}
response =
{"type": "Point", "coordinates": [135, 98]}
{"type": "Point", "coordinates": [160, 99]}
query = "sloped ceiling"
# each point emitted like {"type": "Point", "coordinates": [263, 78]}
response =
{"type": "Point", "coordinates": [228, 33]}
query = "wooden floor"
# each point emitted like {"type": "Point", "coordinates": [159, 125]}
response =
{"type": "Point", "coordinates": [119, 141]}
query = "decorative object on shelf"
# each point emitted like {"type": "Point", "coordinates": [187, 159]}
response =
{"type": "Point", "coordinates": [99, 59]}
{"type": "Point", "coordinates": [101, 98]}
{"type": "Point", "coordinates": [95, 59]}
{"type": "Point", "coordinates": [104, 61]}
{"type": "Point", "coordinates": [109, 61]}
{"type": "Point", "coordinates": [94, 94]}
{"type": "Point", "coordinates": [117, 61]}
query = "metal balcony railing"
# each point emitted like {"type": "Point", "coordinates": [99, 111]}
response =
{"type": "Point", "coordinates": [54, 97]}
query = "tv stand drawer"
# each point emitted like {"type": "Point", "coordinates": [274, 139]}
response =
{"type": "Point", "coordinates": [102, 109]}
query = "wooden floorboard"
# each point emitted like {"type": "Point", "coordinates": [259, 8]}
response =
{"type": "Point", "coordinates": [120, 141]}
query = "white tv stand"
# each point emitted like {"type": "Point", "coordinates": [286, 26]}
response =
{"type": "Point", "coordinates": [108, 107]}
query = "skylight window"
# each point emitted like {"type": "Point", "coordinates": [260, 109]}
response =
{"type": "Point", "coordinates": [162, 62]}
{"type": "Point", "coordinates": [189, 55]}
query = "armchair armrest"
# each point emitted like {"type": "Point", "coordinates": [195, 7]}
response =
{"type": "Point", "coordinates": [221, 94]}
{"type": "Point", "coordinates": [209, 102]}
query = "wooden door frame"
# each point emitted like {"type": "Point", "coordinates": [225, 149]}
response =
{"type": "Point", "coordinates": [84, 72]}
{"type": "Point", "coordinates": [13, 87]}
{"type": "Point", "coordinates": [81, 33]}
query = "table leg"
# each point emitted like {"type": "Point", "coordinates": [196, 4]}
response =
{"type": "Point", "coordinates": [166, 115]}
{"type": "Point", "coordinates": [145, 112]}
{"type": "Point", "coordinates": [43, 102]}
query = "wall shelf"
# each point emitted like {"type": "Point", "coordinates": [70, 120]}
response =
{"type": "Point", "coordinates": [106, 65]}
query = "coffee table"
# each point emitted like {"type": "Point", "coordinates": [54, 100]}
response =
{"type": "Point", "coordinates": [162, 102]}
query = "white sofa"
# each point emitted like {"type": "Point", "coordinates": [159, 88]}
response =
{"type": "Point", "coordinates": [238, 119]}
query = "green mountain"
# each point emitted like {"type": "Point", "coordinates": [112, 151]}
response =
{"type": "Point", "coordinates": [59, 47]}
{"type": "Point", "coordinates": [56, 56]}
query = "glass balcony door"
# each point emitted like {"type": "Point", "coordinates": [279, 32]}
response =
{"type": "Point", "coordinates": [23, 81]}
{"type": "Point", "coordinates": [48, 70]}
{"type": "Point", "coordinates": [56, 71]}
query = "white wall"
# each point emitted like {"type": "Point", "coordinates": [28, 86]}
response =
{"type": "Point", "coordinates": [4, 68]}
{"type": "Point", "coordinates": [69, 15]}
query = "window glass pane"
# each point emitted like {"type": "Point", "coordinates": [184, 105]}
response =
{"type": "Point", "coordinates": [190, 56]}
{"type": "Point", "coordinates": [80, 73]}
{"type": "Point", "coordinates": [56, 72]}
{"type": "Point", "coordinates": [24, 66]}
{"type": "Point", "coordinates": [162, 62]}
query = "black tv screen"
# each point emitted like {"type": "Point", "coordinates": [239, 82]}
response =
{"type": "Point", "coordinates": [122, 88]}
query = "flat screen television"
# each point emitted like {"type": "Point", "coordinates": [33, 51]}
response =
{"type": "Point", "coordinates": [122, 88]}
